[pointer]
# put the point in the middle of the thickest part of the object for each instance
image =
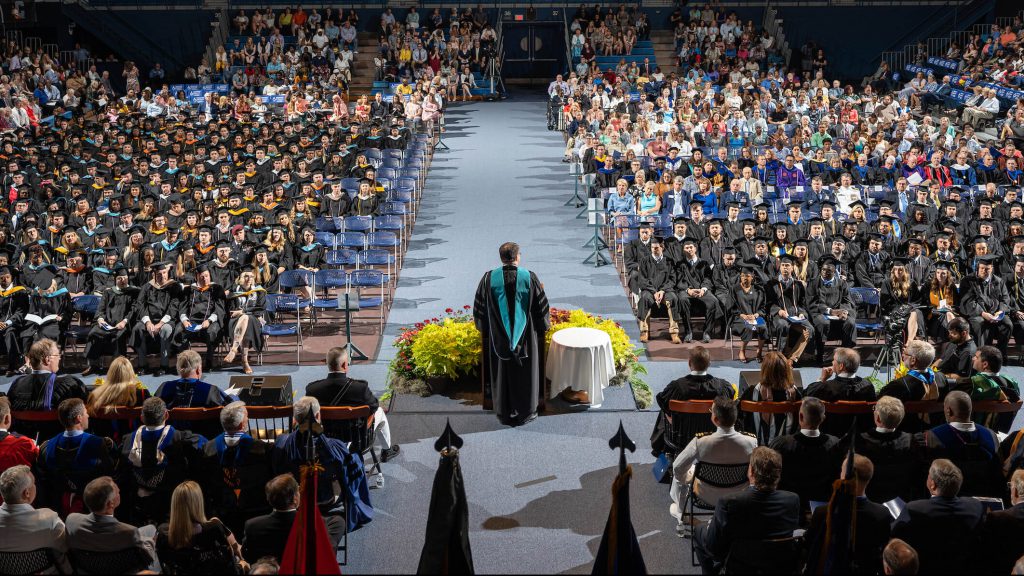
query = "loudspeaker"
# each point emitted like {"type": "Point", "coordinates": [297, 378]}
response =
{"type": "Point", "coordinates": [750, 378]}
{"type": "Point", "coordinates": [263, 390]}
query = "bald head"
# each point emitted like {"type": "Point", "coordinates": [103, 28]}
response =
{"type": "Point", "coordinates": [899, 558]}
{"type": "Point", "coordinates": [957, 407]}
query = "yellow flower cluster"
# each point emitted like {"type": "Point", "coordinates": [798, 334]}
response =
{"type": "Point", "coordinates": [449, 348]}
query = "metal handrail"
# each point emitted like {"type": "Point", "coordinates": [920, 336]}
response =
{"type": "Point", "coordinates": [568, 40]}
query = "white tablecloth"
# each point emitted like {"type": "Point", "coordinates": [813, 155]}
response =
{"type": "Point", "coordinates": [580, 359]}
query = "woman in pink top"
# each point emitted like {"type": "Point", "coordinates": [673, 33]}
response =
{"type": "Point", "coordinates": [339, 109]}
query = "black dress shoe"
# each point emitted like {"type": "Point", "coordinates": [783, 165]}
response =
{"type": "Point", "coordinates": [390, 453]}
{"type": "Point", "coordinates": [706, 338]}
{"type": "Point", "coordinates": [688, 338]}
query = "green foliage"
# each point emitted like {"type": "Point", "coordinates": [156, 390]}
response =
{"type": "Point", "coordinates": [450, 349]}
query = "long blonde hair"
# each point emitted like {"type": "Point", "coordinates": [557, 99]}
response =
{"type": "Point", "coordinates": [117, 389]}
{"type": "Point", "coordinates": [186, 512]}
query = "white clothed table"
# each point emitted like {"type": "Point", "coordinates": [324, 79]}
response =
{"type": "Point", "coordinates": [580, 359]}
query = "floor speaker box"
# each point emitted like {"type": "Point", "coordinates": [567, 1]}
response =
{"type": "Point", "coordinates": [264, 390]}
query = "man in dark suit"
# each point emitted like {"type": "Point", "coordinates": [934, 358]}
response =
{"type": "Point", "coordinates": [872, 532]}
{"type": "Point", "coordinates": [758, 513]}
{"type": "Point", "coordinates": [267, 535]}
{"type": "Point", "coordinates": [896, 459]}
{"type": "Point", "coordinates": [809, 457]}
{"type": "Point", "coordinates": [340, 390]}
{"type": "Point", "coordinates": [944, 528]}
{"type": "Point", "coordinates": [985, 302]}
{"type": "Point", "coordinates": [100, 531]}
{"type": "Point", "coordinates": [697, 385]}
{"type": "Point", "coordinates": [846, 385]}
{"type": "Point", "coordinates": [1001, 532]}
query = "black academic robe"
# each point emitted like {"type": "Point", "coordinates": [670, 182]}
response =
{"type": "Point", "coordinates": [115, 305]}
{"type": "Point", "coordinates": [13, 307]}
{"type": "Point", "coordinates": [809, 465]}
{"type": "Point", "coordinates": [513, 369]}
{"type": "Point", "coordinates": [77, 281]}
{"type": "Point", "coordinates": [446, 547]}
{"type": "Point", "coordinates": [28, 393]}
{"type": "Point", "coordinates": [842, 388]}
{"type": "Point", "coordinates": [870, 271]}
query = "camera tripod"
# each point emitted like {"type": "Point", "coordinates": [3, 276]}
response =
{"type": "Point", "coordinates": [890, 355]}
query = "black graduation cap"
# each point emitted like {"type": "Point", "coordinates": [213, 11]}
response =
{"type": "Point", "coordinates": [801, 242]}
{"type": "Point", "coordinates": [980, 238]}
{"type": "Point", "coordinates": [828, 259]}
{"type": "Point", "coordinates": [645, 224]}
{"type": "Point", "coordinates": [988, 258]}
{"type": "Point", "coordinates": [985, 201]}
{"type": "Point", "coordinates": [858, 203]}
{"type": "Point", "coordinates": [828, 203]}
{"type": "Point", "coordinates": [787, 258]}
{"type": "Point", "coordinates": [160, 265]}
{"type": "Point", "coordinates": [728, 250]}
{"type": "Point", "coordinates": [698, 202]}
{"type": "Point", "coordinates": [886, 203]}
{"type": "Point", "coordinates": [796, 203]}
{"type": "Point", "coordinates": [689, 240]}
{"type": "Point", "coordinates": [202, 267]}
{"type": "Point", "coordinates": [680, 220]}
{"type": "Point", "coordinates": [205, 227]}
{"type": "Point", "coordinates": [913, 240]}
{"type": "Point", "coordinates": [223, 244]}
{"type": "Point", "coordinates": [1018, 258]}
{"type": "Point", "coordinates": [760, 240]}
{"type": "Point", "coordinates": [121, 270]}
{"type": "Point", "coordinates": [943, 264]}
{"type": "Point", "coordinates": [656, 240]}
{"type": "Point", "coordinates": [885, 218]}
{"type": "Point", "coordinates": [732, 204]}
{"type": "Point", "coordinates": [900, 261]}
{"type": "Point", "coordinates": [839, 239]}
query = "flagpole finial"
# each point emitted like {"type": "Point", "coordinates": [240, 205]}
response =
{"type": "Point", "coordinates": [621, 441]}
{"type": "Point", "coordinates": [448, 439]}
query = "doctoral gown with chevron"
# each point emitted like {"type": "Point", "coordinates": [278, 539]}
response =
{"type": "Point", "coordinates": [512, 315]}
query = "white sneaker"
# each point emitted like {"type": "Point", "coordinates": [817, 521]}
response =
{"type": "Point", "coordinates": [673, 509]}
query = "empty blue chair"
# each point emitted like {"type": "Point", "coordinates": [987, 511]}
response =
{"type": "Point", "coordinates": [393, 163]}
{"type": "Point", "coordinates": [382, 239]}
{"type": "Point", "coordinates": [376, 257]}
{"type": "Point", "coordinates": [342, 257]}
{"type": "Point", "coordinates": [385, 182]}
{"type": "Point", "coordinates": [372, 153]}
{"type": "Point", "coordinates": [360, 279]}
{"type": "Point", "coordinates": [350, 184]}
{"type": "Point", "coordinates": [296, 279]}
{"type": "Point", "coordinates": [402, 195]}
{"type": "Point", "coordinates": [388, 222]}
{"type": "Point", "coordinates": [87, 304]}
{"type": "Point", "coordinates": [326, 239]}
{"type": "Point", "coordinates": [358, 223]}
{"type": "Point", "coordinates": [325, 280]}
{"type": "Point", "coordinates": [386, 172]}
{"type": "Point", "coordinates": [287, 302]}
{"type": "Point", "coordinates": [394, 153]}
{"type": "Point", "coordinates": [327, 225]}
{"type": "Point", "coordinates": [353, 240]}
{"type": "Point", "coordinates": [408, 182]}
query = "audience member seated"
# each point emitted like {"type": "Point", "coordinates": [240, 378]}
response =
{"type": "Point", "coordinates": [201, 312]}
{"type": "Point", "coordinates": [759, 512]}
{"type": "Point", "coordinates": [697, 385]}
{"type": "Point", "coordinates": [266, 535]}
{"type": "Point", "coordinates": [871, 532]}
{"type": "Point", "coordinates": [192, 544]}
{"type": "Point", "coordinates": [189, 390]}
{"type": "Point", "coordinates": [921, 382]}
{"type": "Point", "coordinates": [338, 465]}
{"type": "Point", "coordinates": [155, 307]}
{"type": "Point", "coordinates": [115, 318]}
{"type": "Point", "coordinates": [15, 449]}
{"type": "Point", "coordinates": [158, 458]}
{"type": "Point", "coordinates": [72, 459]}
{"type": "Point", "coordinates": [340, 390]}
{"type": "Point", "coordinates": [247, 313]}
{"type": "Point", "coordinates": [893, 453]}
{"type": "Point", "coordinates": [725, 446]}
{"type": "Point", "coordinates": [840, 382]}
{"type": "Point", "coordinates": [237, 466]}
{"type": "Point", "coordinates": [1001, 531]}
{"type": "Point", "coordinates": [775, 385]}
{"type": "Point", "coordinates": [100, 532]}
{"type": "Point", "coordinates": [899, 558]}
{"type": "Point", "coordinates": [972, 447]}
{"type": "Point", "coordinates": [44, 388]}
{"type": "Point", "coordinates": [958, 353]}
{"type": "Point", "coordinates": [26, 528]}
{"type": "Point", "coordinates": [944, 528]}
{"type": "Point", "coordinates": [809, 457]}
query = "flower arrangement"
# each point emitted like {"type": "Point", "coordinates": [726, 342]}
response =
{"type": "Point", "coordinates": [626, 356]}
{"type": "Point", "coordinates": [449, 346]}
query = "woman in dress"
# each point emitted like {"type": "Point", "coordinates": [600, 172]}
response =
{"type": "Point", "coordinates": [900, 293]}
{"type": "Point", "coordinates": [247, 304]}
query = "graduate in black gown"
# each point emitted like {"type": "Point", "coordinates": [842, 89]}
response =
{"type": "Point", "coordinates": [13, 307]}
{"type": "Point", "coordinates": [787, 301]}
{"type": "Point", "coordinates": [748, 312]}
{"type": "Point", "coordinates": [985, 302]}
{"type": "Point", "coordinates": [115, 317]}
{"type": "Point", "coordinates": [49, 311]}
{"type": "Point", "coordinates": [511, 311]}
{"type": "Point", "coordinates": [247, 306]}
{"type": "Point", "coordinates": [830, 306]}
{"type": "Point", "coordinates": [201, 314]}
{"type": "Point", "coordinates": [155, 312]}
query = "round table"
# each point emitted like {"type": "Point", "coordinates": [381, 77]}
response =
{"type": "Point", "coordinates": [580, 359]}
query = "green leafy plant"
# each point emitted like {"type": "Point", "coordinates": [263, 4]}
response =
{"type": "Point", "coordinates": [450, 349]}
